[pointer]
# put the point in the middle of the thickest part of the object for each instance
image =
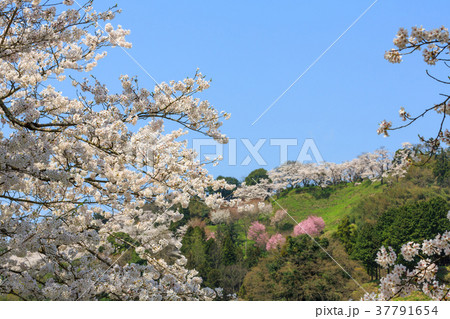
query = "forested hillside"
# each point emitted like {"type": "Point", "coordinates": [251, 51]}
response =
{"type": "Point", "coordinates": [359, 218]}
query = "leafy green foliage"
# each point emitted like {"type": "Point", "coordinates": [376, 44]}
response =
{"type": "Point", "coordinates": [219, 261]}
{"type": "Point", "coordinates": [256, 176]}
{"type": "Point", "coordinates": [365, 249]}
{"type": "Point", "coordinates": [286, 227]}
{"type": "Point", "coordinates": [414, 222]}
{"type": "Point", "coordinates": [346, 232]}
{"type": "Point", "coordinates": [395, 227]}
{"type": "Point", "coordinates": [419, 184]}
{"type": "Point", "coordinates": [441, 169]}
{"type": "Point", "coordinates": [196, 208]}
{"type": "Point", "coordinates": [300, 271]}
{"type": "Point", "coordinates": [124, 248]}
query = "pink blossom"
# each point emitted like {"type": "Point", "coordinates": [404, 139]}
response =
{"type": "Point", "coordinates": [210, 235]}
{"type": "Point", "coordinates": [313, 225]}
{"type": "Point", "coordinates": [276, 241]}
{"type": "Point", "coordinates": [257, 232]}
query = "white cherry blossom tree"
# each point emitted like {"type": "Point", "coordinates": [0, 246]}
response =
{"type": "Point", "coordinates": [74, 173]}
{"type": "Point", "coordinates": [375, 166]}
{"type": "Point", "coordinates": [401, 280]}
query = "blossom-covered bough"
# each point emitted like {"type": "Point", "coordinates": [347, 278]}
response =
{"type": "Point", "coordinates": [401, 280]}
{"type": "Point", "coordinates": [435, 47]}
{"type": "Point", "coordinates": [75, 173]}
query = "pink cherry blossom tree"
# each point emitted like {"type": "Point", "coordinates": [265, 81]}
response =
{"type": "Point", "coordinates": [313, 226]}
{"type": "Point", "coordinates": [275, 241]}
{"type": "Point", "coordinates": [257, 232]}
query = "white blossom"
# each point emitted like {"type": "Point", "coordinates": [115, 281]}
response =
{"type": "Point", "coordinates": [220, 216]}
{"type": "Point", "coordinates": [401, 281]}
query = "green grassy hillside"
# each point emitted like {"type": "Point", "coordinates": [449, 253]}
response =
{"type": "Point", "coordinates": [331, 203]}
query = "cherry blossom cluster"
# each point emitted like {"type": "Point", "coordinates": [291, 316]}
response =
{"type": "Point", "coordinates": [435, 41]}
{"type": "Point", "coordinates": [75, 173]}
{"type": "Point", "coordinates": [385, 126]}
{"type": "Point", "coordinates": [265, 208]}
{"type": "Point", "coordinates": [278, 217]}
{"type": "Point", "coordinates": [312, 226]}
{"type": "Point", "coordinates": [257, 232]}
{"type": "Point", "coordinates": [220, 216]}
{"type": "Point", "coordinates": [262, 190]}
{"type": "Point", "coordinates": [403, 158]}
{"type": "Point", "coordinates": [374, 166]}
{"type": "Point", "coordinates": [275, 242]}
{"type": "Point", "coordinates": [401, 281]}
{"type": "Point", "coordinates": [250, 200]}
{"type": "Point", "coordinates": [386, 258]}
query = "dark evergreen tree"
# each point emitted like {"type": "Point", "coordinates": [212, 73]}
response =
{"type": "Point", "coordinates": [256, 176]}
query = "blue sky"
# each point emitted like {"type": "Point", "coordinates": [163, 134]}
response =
{"type": "Point", "coordinates": [253, 51]}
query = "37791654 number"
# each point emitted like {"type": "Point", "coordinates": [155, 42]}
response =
{"type": "Point", "coordinates": [406, 310]}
